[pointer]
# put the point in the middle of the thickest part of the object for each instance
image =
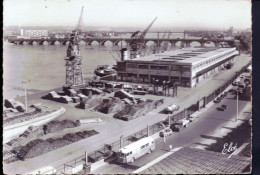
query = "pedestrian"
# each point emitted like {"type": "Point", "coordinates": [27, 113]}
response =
{"type": "Point", "coordinates": [170, 147]}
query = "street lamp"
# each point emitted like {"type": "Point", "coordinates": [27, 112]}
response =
{"type": "Point", "coordinates": [121, 141]}
{"type": "Point", "coordinates": [25, 95]}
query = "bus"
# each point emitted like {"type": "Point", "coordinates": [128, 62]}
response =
{"type": "Point", "coordinates": [135, 150]}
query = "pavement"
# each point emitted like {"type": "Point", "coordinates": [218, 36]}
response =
{"type": "Point", "coordinates": [111, 129]}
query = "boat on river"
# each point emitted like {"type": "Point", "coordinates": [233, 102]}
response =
{"type": "Point", "coordinates": [104, 70]}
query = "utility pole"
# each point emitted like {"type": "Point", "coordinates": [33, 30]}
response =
{"type": "Point", "coordinates": [121, 141]}
{"type": "Point", "coordinates": [25, 95]}
{"type": "Point", "coordinates": [237, 106]}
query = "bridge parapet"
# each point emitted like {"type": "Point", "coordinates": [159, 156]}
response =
{"type": "Point", "coordinates": [115, 41]}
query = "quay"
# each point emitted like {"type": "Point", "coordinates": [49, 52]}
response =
{"type": "Point", "coordinates": [111, 129]}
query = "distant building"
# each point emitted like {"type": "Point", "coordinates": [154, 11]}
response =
{"type": "Point", "coordinates": [36, 33]}
{"type": "Point", "coordinates": [186, 67]}
{"type": "Point", "coordinates": [22, 32]}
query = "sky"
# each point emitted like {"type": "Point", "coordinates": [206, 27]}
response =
{"type": "Point", "coordinates": [219, 14]}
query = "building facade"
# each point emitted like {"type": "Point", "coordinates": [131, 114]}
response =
{"type": "Point", "coordinates": [186, 67]}
{"type": "Point", "coordinates": [35, 33]}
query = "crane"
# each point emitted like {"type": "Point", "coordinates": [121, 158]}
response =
{"type": "Point", "coordinates": [73, 60]}
{"type": "Point", "coordinates": [137, 42]}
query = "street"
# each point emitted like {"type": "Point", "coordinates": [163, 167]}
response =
{"type": "Point", "coordinates": [209, 121]}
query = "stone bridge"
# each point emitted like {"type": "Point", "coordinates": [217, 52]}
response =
{"type": "Point", "coordinates": [116, 41]}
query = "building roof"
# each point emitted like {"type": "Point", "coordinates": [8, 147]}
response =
{"type": "Point", "coordinates": [186, 55]}
{"type": "Point", "coordinates": [196, 161]}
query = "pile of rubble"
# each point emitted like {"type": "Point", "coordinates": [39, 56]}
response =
{"type": "Point", "coordinates": [71, 95]}
{"type": "Point", "coordinates": [13, 105]}
{"type": "Point", "coordinates": [38, 147]}
{"type": "Point", "coordinates": [33, 133]}
{"type": "Point", "coordinates": [110, 105]}
{"type": "Point", "coordinates": [91, 102]}
{"type": "Point", "coordinates": [55, 126]}
{"type": "Point", "coordinates": [132, 111]}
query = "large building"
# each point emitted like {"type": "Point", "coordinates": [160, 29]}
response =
{"type": "Point", "coordinates": [186, 67]}
{"type": "Point", "coordinates": [34, 33]}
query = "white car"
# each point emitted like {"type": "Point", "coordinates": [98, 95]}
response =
{"type": "Point", "coordinates": [172, 108]}
{"type": "Point", "coordinates": [192, 117]}
{"type": "Point", "coordinates": [166, 132]}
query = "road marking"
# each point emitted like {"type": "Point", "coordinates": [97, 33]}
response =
{"type": "Point", "coordinates": [156, 161]}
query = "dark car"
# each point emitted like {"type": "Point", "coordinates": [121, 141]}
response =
{"type": "Point", "coordinates": [231, 90]}
{"type": "Point", "coordinates": [224, 106]}
{"type": "Point", "coordinates": [217, 100]}
{"type": "Point", "coordinates": [222, 96]}
{"type": "Point", "coordinates": [235, 83]}
{"type": "Point", "coordinates": [221, 108]}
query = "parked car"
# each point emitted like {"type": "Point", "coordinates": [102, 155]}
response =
{"type": "Point", "coordinates": [221, 108]}
{"type": "Point", "coordinates": [179, 125]}
{"type": "Point", "coordinates": [172, 108]}
{"type": "Point", "coordinates": [241, 86]}
{"type": "Point", "coordinates": [231, 90]}
{"type": "Point", "coordinates": [166, 132]}
{"type": "Point", "coordinates": [160, 125]}
{"type": "Point", "coordinates": [224, 106]}
{"type": "Point", "coordinates": [217, 100]}
{"type": "Point", "coordinates": [192, 117]}
{"type": "Point", "coordinates": [235, 83]}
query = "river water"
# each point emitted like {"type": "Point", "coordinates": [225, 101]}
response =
{"type": "Point", "coordinates": [44, 65]}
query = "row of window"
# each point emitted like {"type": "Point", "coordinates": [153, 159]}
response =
{"type": "Point", "coordinates": [155, 67]}
{"type": "Point", "coordinates": [152, 76]}
{"type": "Point", "coordinates": [129, 153]}
{"type": "Point", "coordinates": [144, 146]}
{"type": "Point", "coordinates": [143, 66]}
{"type": "Point", "coordinates": [214, 59]}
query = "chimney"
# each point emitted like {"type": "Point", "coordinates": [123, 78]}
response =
{"type": "Point", "coordinates": [124, 55]}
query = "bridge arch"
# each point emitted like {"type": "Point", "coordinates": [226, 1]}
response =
{"type": "Point", "coordinates": [150, 42]}
{"type": "Point", "coordinates": [44, 42]}
{"type": "Point", "coordinates": [93, 42]}
{"type": "Point", "coordinates": [195, 44]}
{"type": "Point", "coordinates": [106, 42]}
{"type": "Point", "coordinates": [32, 42]}
{"type": "Point", "coordinates": [179, 43]}
{"type": "Point", "coordinates": [55, 42]}
{"type": "Point", "coordinates": [119, 42]}
{"type": "Point", "coordinates": [82, 42]}
{"type": "Point", "coordinates": [209, 44]}
{"type": "Point", "coordinates": [20, 42]}
{"type": "Point", "coordinates": [66, 42]}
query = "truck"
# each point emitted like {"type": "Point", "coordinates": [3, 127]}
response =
{"type": "Point", "coordinates": [177, 126]}
{"type": "Point", "coordinates": [173, 107]}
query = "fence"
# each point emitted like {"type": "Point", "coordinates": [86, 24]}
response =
{"type": "Point", "coordinates": [109, 150]}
